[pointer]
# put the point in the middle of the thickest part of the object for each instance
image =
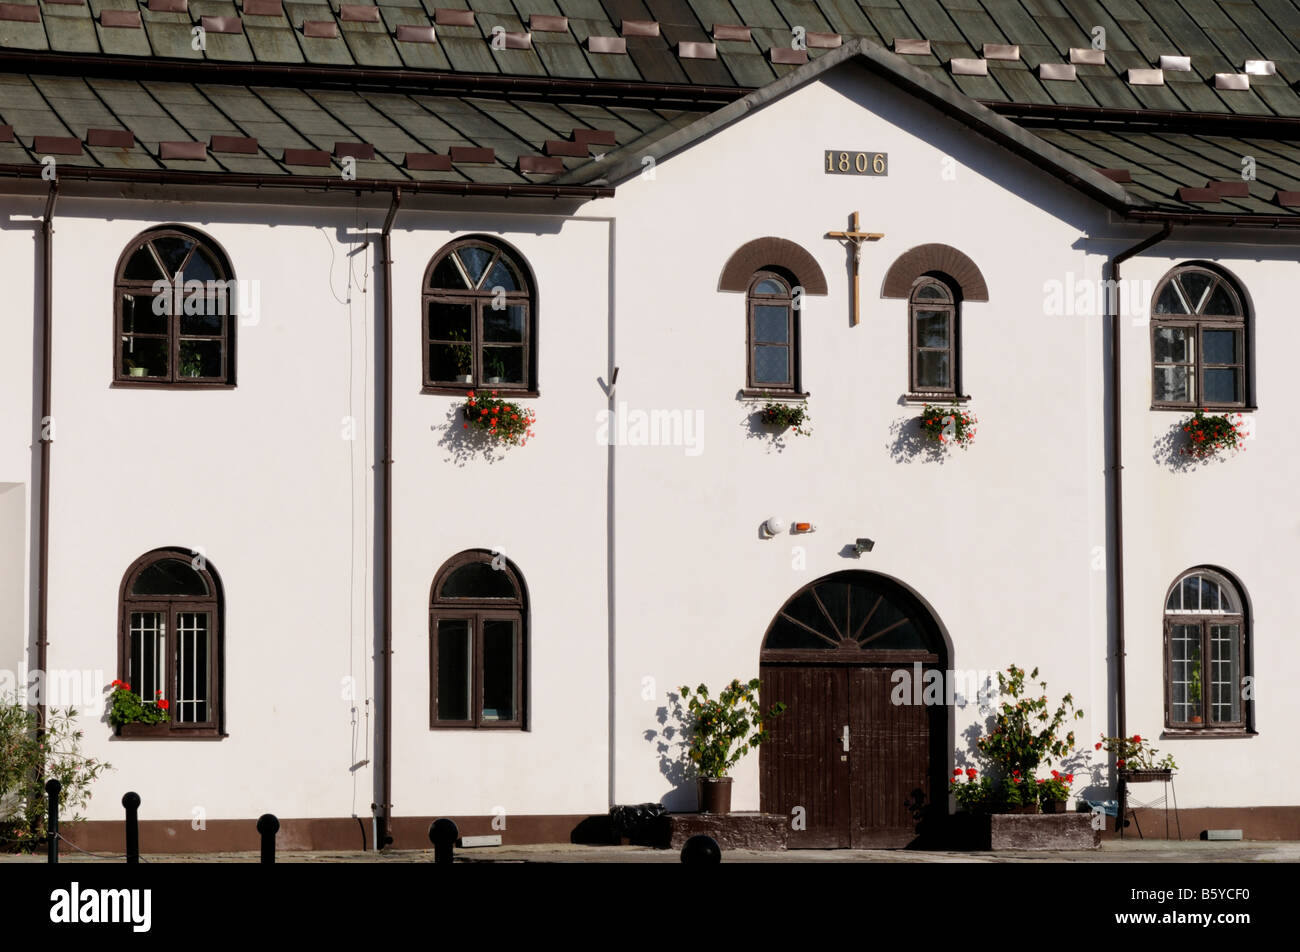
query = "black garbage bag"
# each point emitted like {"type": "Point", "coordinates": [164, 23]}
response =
{"type": "Point", "coordinates": [637, 822]}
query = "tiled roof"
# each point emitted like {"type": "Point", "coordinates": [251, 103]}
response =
{"type": "Point", "coordinates": [1216, 36]}
{"type": "Point", "coordinates": [249, 129]}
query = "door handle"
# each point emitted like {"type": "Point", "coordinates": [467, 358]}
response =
{"type": "Point", "coordinates": [844, 738]}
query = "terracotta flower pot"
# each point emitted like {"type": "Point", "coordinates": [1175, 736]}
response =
{"type": "Point", "coordinates": [715, 794]}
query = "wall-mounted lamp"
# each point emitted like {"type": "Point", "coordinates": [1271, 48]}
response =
{"type": "Point", "coordinates": [803, 527]}
{"type": "Point", "coordinates": [863, 545]}
{"type": "Point", "coordinates": [773, 526]}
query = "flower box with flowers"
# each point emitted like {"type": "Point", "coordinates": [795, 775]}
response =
{"type": "Point", "coordinates": [133, 716]}
{"type": "Point", "coordinates": [791, 416]}
{"type": "Point", "coordinates": [948, 426]}
{"type": "Point", "coordinates": [1208, 436]}
{"type": "Point", "coordinates": [502, 420]}
{"type": "Point", "coordinates": [1136, 760]}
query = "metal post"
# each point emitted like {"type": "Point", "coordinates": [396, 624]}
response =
{"type": "Point", "coordinates": [268, 826]}
{"type": "Point", "coordinates": [132, 803]}
{"type": "Point", "coordinates": [52, 787]}
{"type": "Point", "coordinates": [701, 849]}
{"type": "Point", "coordinates": [443, 834]}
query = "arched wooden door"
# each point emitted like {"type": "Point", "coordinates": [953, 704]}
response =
{"type": "Point", "coordinates": [855, 761]}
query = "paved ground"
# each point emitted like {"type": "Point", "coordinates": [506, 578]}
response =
{"type": "Point", "coordinates": [1129, 851]}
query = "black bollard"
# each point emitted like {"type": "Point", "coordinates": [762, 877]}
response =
{"type": "Point", "coordinates": [132, 803]}
{"type": "Point", "coordinates": [701, 849]}
{"type": "Point", "coordinates": [52, 787]}
{"type": "Point", "coordinates": [268, 826]}
{"type": "Point", "coordinates": [443, 835]}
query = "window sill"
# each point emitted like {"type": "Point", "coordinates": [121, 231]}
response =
{"type": "Point", "coordinates": [921, 397]}
{"type": "Point", "coordinates": [1190, 408]}
{"type": "Point", "coordinates": [1180, 733]}
{"type": "Point", "coordinates": [466, 389]}
{"type": "Point", "coordinates": [167, 732]}
{"type": "Point", "coordinates": [167, 385]}
{"type": "Point", "coordinates": [789, 396]}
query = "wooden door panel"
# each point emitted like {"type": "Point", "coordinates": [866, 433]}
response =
{"type": "Point", "coordinates": [801, 765]}
{"type": "Point", "coordinates": [889, 762]}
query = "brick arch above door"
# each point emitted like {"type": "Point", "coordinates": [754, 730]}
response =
{"type": "Point", "coordinates": [926, 259]}
{"type": "Point", "coordinates": [780, 253]}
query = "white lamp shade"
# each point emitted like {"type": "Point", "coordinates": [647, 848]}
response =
{"type": "Point", "coordinates": [774, 525]}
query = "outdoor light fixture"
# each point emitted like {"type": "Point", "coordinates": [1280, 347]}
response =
{"type": "Point", "coordinates": [773, 526]}
{"type": "Point", "coordinates": [863, 545]}
{"type": "Point", "coordinates": [803, 527]}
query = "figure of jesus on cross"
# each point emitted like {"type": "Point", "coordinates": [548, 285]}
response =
{"type": "Point", "coordinates": [855, 237]}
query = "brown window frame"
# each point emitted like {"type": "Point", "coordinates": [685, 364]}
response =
{"type": "Point", "coordinates": [1199, 324]}
{"type": "Point", "coordinates": [754, 299]}
{"type": "Point", "coordinates": [476, 611]}
{"type": "Point", "coordinates": [479, 300]}
{"type": "Point", "coordinates": [1204, 620]}
{"type": "Point", "coordinates": [123, 286]}
{"type": "Point", "coordinates": [172, 606]}
{"type": "Point", "coordinates": [914, 350]}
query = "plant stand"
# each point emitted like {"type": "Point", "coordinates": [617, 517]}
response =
{"type": "Point", "coordinates": [1147, 776]}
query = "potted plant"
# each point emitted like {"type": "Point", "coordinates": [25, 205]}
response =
{"type": "Point", "coordinates": [127, 707]}
{"type": "Point", "coordinates": [723, 729]}
{"type": "Point", "coordinates": [786, 416]}
{"type": "Point", "coordinates": [1017, 795]}
{"type": "Point", "coordinates": [1136, 759]}
{"type": "Point", "coordinates": [974, 794]}
{"type": "Point", "coordinates": [496, 368]}
{"type": "Point", "coordinates": [135, 370]}
{"type": "Point", "coordinates": [1194, 694]}
{"type": "Point", "coordinates": [1209, 435]}
{"type": "Point", "coordinates": [1053, 793]}
{"type": "Point", "coordinates": [502, 420]}
{"type": "Point", "coordinates": [191, 363]}
{"type": "Point", "coordinates": [463, 357]}
{"type": "Point", "coordinates": [948, 426]}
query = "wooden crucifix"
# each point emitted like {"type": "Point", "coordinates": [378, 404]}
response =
{"type": "Point", "coordinates": [856, 238]}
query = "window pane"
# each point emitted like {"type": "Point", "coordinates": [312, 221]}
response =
{"type": "Point", "coordinates": [194, 692]}
{"type": "Point", "coordinates": [1220, 347]}
{"type": "Point", "coordinates": [1221, 386]}
{"type": "Point", "coordinates": [931, 329]}
{"type": "Point", "coordinates": [835, 599]}
{"type": "Point", "coordinates": [478, 580]}
{"type": "Point", "coordinates": [769, 286]}
{"type": "Point", "coordinates": [169, 577]}
{"type": "Point", "coordinates": [500, 670]}
{"type": "Point", "coordinates": [503, 364]}
{"type": "Point", "coordinates": [1173, 384]}
{"type": "Point", "coordinates": [1209, 595]}
{"type": "Point", "coordinates": [144, 670]}
{"type": "Point", "coordinates": [932, 368]}
{"type": "Point", "coordinates": [210, 322]}
{"type": "Point", "coordinates": [1225, 674]}
{"type": "Point", "coordinates": [1185, 672]}
{"type": "Point", "coordinates": [771, 324]}
{"type": "Point", "coordinates": [933, 292]}
{"type": "Point", "coordinates": [1175, 601]}
{"type": "Point", "coordinates": [504, 324]}
{"type": "Point", "coordinates": [1195, 284]}
{"type": "Point", "coordinates": [141, 266]}
{"type": "Point", "coordinates": [1170, 300]}
{"type": "Point", "coordinates": [771, 364]}
{"type": "Point", "coordinates": [1172, 345]}
{"type": "Point", "coordinates": [201, 358]}
{"type": "Point", "coordinates": [450, 362]}
{"type": "Point", "coordinates": [450, 321]}
{"type": "Point", "coordinates": [454, 675]}
{"type": "Point", "coordinates": [1192, 593]}
{"type": "Point", "coordinates": [786, 634]}
{"type": "Point", "coordinates": [138, 316]}
{"type": "Point", "coordinates": [172, 249]}
{"type": "Point", "coordinates": [475, 258]}
{"type": "Point", "coordinates": [904, 637]}
{"type": "Point", "coordinates": [202, 267]}
{"type": "Point", "coordinates": [502, 276]}
{"type": "Point", "coordinates": [144, 356]}
{"type": "Point", "coordinates": [1222, 302]}
{"type": "Point", "coordinates": [805, 609]}
{"type": "Point", "coordinates": [447, 275]}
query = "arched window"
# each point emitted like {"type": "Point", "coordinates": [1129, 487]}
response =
{"type": "Point", "coordinates": [175, 311]}
{"type": "Point", "coordinates": [933, 336]}
{"type": "Point", "coordinates": [773, 334]}
{"type": "Point", "coordinates": [1198, 341]}
{"type": "Point", "coordinates": [170, 644]}
{"type": "Point", "coordinates": [480, 320]}
{"type": "Point", "coordinates": [1206, 643]}
{"type": "Point", "coordinates": [478, 633]}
